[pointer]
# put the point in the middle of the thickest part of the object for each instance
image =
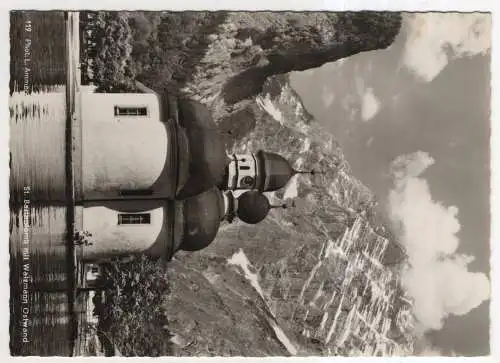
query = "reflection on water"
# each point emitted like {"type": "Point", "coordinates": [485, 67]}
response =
{"type": "Point", "coordinates": [38, 263]}
{"type": "Point", "coordinates": [37, 134]}
{"type": "Point", "coordinates": [44, 46]}
{"type": "Point", "coordinates": [43, 310]}
{"type": "Point", "coordinates": [40, 317]}
{"type": "Point", "coordinates": [39, 303]}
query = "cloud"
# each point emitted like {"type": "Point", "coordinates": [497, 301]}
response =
{"type": "Point", "coordinates": [409, 166]}
{"type": "Point", "coordinates": [437, 277]}
{"type": "Point", "coordinates": [424, 347]}
{"type": "Point", "coordinates": [370, 141]}
{"type": "Point", "coordinates": [433, 39]}
{"type": "Point", "coordinates": [370, 105]}
{"type": "Point", "coordinates": [327, 96]}
{"type": "Point", "coordinates": [430, 352]}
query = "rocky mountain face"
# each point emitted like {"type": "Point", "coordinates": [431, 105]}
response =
{"type": "Point", "coordinates": [309, 280]}
{"type": "Point", "coordinates": [245, 48]}
{"type": "Point", "coordinates": [313, 279]}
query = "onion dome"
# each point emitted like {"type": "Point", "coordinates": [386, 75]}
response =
{"type": "Point", "coordinates": [202, 217]}
{"type": "Point", "coordinates": [275, 171]}
{"type": "Point", "coordinates": [253, 207]}
{"type": "Point", "coordinates": [207, 153]}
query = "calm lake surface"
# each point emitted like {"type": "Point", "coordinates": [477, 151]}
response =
{"type": "Point", "coordinates": [37, 145]}
{"type": "Point", "coordinates": [38, 224]}
{"type": "Point", "coordinates": [39, 301]}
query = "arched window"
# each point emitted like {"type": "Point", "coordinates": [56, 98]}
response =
{"type": "Point", "coordinates": [247, 182]}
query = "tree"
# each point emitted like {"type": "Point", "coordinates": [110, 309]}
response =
{"type": "Point", "coordinates": [131, 313]}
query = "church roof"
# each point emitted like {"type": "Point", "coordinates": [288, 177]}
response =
{"type": "Point", "coordinates": [276, 171]}
{"type": "Point", "coordinates": [202, 217]}
{"type": "Point", "coordinates": [208, 158]}
{"type": "Point", "coordinates": [177, 164]}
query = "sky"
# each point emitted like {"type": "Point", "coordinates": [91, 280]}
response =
{"type": "Point", "coordinates": [413, 121]}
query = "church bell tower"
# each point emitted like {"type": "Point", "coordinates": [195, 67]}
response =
{"type": "Point", "coordinates": [262, 171]}
{"type": "Point", "coordinates": [242, 172]}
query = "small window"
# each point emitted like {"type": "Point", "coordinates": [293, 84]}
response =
{"type": "Point", "coordinates": [131, 111]}
{"type": "Point", "coordinates": [245, 167]}
{"type": "Point", "coordinates": [135, 218]}
{"type": "Point", "coordinates": [133, 192]}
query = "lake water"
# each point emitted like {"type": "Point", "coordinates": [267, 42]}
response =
{"type": "Point", "coordinates": [37, 145]}
{"type": "Point", "coordinates": [38, 225]}
{"type": "Point", "coordinates": [41, 322]}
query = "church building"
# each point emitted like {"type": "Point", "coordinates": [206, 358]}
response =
{"type": "Point", "coordinates": [156, 177]}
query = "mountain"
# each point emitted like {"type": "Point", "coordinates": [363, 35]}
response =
{"type": "Point", "coordinates": [227, 68]}
{"type": "Point", "coordinates": [320, 278]}
{"type": "Point", "coordinates": [315, 279]}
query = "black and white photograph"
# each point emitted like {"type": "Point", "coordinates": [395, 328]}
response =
{"type": "Point", "coordinates": [249, 183]}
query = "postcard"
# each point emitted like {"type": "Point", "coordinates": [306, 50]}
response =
{"type": "Point", "coordinates": [249, 184]}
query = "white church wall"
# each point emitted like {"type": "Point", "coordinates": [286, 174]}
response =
{"type": "Point", "coordinates": [100, 107]}
{"type": "Point", "coordinates": [121, 152]}
{"type": "Point", "coordinates": [111, 238]}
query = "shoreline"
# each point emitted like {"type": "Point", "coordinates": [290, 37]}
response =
{"type": "Point", "coordinates": [72, 119]}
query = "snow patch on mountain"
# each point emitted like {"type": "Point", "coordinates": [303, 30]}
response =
{"type": "Point", "coordinates": [241, 260]}
{"type": "Point", "coordinates": [292, 189]}
{"type": "Point", "coordinates": [283, 338]}
{"type": "Point", "coordinates": [306, 145]}
{"type": "Point", "coordinates": [267, 105]}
